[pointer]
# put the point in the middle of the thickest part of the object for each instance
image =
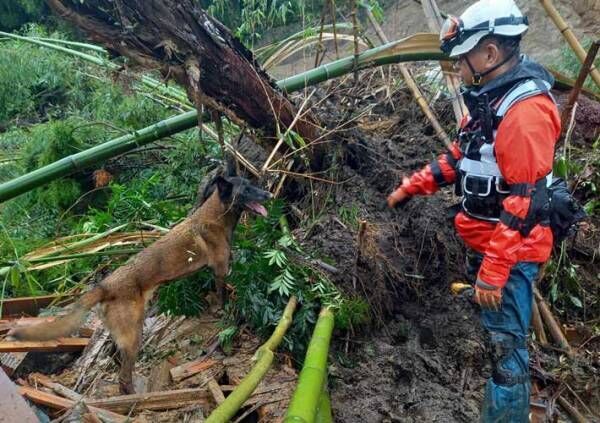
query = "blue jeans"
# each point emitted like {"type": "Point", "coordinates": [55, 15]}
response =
{"type": "Point", "coordinates": [509, 402]}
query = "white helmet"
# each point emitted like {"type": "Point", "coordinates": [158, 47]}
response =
{"type": "Point", "coordinates": [501, 17]}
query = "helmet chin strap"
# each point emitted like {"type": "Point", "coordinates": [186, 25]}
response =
{"type": "Point", "coordinates": [478, 76]}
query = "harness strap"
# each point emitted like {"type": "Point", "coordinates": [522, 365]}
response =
{"type": "Point", "coordinates": [525, 190]}
{"type": "Point", "coordinates": [438, 176]}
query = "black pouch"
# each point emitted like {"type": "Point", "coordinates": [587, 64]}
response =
{"type": "Point", "coordinates": [565, 211]}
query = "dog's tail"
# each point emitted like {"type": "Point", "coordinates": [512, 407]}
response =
{"type": "Point", "coordinates": [64, 325]}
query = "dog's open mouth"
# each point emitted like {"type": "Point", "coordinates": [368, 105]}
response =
{"type": "Point", "coordinates": [256, 208]}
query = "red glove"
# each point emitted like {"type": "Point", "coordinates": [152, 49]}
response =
{"type": "Point", "coordinates": [399, 196]}
{"type": "Point", "coordinates": [488, 296]}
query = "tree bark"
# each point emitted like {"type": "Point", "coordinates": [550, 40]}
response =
{"type": "Point", "coordinates": [181, 40]}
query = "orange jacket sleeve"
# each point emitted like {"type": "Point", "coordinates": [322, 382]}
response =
{"type": "Point", "coordinates": [525, 151]}
{"type": "Point", "coordinates": [439, 173]}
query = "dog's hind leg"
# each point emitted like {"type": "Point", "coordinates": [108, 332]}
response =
{"type": "Point", "coordinates": [124, 319]}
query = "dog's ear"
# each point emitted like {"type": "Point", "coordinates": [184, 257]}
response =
{"type": "Point", "coordinates": [230, 165]}
{"type": "Point", "coordinates": [225, 188]}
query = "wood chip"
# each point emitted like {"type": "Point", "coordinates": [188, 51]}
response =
{"type": "Point", "coordinates": [216, 391]}
{"type": "Point", "coordinates": [189, 369]}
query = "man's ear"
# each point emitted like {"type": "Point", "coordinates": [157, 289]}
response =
{"type": "Point", "coordinates": [225, 188]}
{"type": "Point", "coordinates": [494, 55]}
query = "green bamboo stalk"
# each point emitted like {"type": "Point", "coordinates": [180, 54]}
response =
{"type": "Point", "coordinates": [264, 358]}
{"type": "Point", "coordinates": [87, 57]}
{"type": "Point", "coordinates": [72, 43]}
{"type": "Point", "coordinates": [418, 47]}
{"type": "Point", "coordinates": [97, 154]}
{"type": "Point", "coordinates": [305, 401]}
{"type": "Point", "coordinates": [324, 411]}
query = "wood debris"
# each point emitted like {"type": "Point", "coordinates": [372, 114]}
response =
{"type": "Point", "coordinates": [60, 345]}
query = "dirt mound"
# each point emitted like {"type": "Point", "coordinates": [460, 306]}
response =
{"type": "Point", "coordinates": [423, 358]}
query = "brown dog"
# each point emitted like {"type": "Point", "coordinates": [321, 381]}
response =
{"type": "Point", "coordinates": [203, 239]}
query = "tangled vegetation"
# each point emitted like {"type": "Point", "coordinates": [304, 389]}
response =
{"type": "Point", "coordinates": [54, 106]}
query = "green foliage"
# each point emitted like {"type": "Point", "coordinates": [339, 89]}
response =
{"type": "Point", "coordinates": [52, 106]}
{"type": "Point", "coordinates": [186, 296]}
{"type": "Point", "coordinates": [16, 13]}
{"type": "Point", "coordinates": [249, 19]}
{"type": "Point", "coordinates": [569, 64]}
{"type": "Point", "coordinates": [349, 215]}
{"type": "Point", "coordinates": [140, 200]}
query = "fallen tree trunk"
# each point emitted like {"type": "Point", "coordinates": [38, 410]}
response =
{"type": "Point", "coordinates": [413, 48]}
{"type": "Point", "coordinates": [186, 44]}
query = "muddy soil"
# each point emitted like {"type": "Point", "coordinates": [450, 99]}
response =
{"type": "Point", "coordinates": [422, 358]}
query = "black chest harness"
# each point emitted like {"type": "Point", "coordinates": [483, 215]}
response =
{"type": "Point", "coordinates": [479, 179]}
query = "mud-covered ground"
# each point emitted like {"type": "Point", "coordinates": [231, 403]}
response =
{"type": "Point", "coordinates": [422, 357]}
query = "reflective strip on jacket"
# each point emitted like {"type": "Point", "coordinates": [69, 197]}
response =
{"type": "Point", "coordinates": [524, 148]}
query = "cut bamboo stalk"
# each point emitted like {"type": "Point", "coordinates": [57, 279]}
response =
{"type": "Point", "coordinates": [60, 345]}
{"type": "Point", "coordinates": [568, 34]}
{"type": "Point", "coordinates": [538, 325]}
{"type": "Point", "coordinates": [552, 324]}
{"type": "Point", "coordinates": [413, 87]}
{"type": "Point", "coordinates": [434, 21]}
{"type": "Point", "coordinates": [585, 69]}
{"type": "Point", "coordinates": [264, 357]}
{"type": "Point", "coordinates": [305, 401]}
{"type": "Point", "coordinates": [572, 411]}
{"type": "Point", "coordinates": [58, 403]}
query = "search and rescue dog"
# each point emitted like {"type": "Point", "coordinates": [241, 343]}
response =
{"type": "Point", "coordinates": [203, 239]}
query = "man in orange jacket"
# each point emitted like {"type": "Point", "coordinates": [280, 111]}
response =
{"type": "Point", "coordinates": [501, 164]}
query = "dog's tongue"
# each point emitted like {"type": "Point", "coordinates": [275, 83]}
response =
{"type": "Point", "coordinates": [257, 208]}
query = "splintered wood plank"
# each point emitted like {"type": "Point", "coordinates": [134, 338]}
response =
{"type": "Point", "coordinates": [60, 345]}
{"type": "Point", "coordinates": [57, 403]}
{"type": "Point", "coordinates": [189, 369]}
{"type": "Point", "coordinates": [156, 401]}
{"type": "Point", "coordinates": [13, 407]}
{"type": "Point", "coordinates": [40, 379]}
